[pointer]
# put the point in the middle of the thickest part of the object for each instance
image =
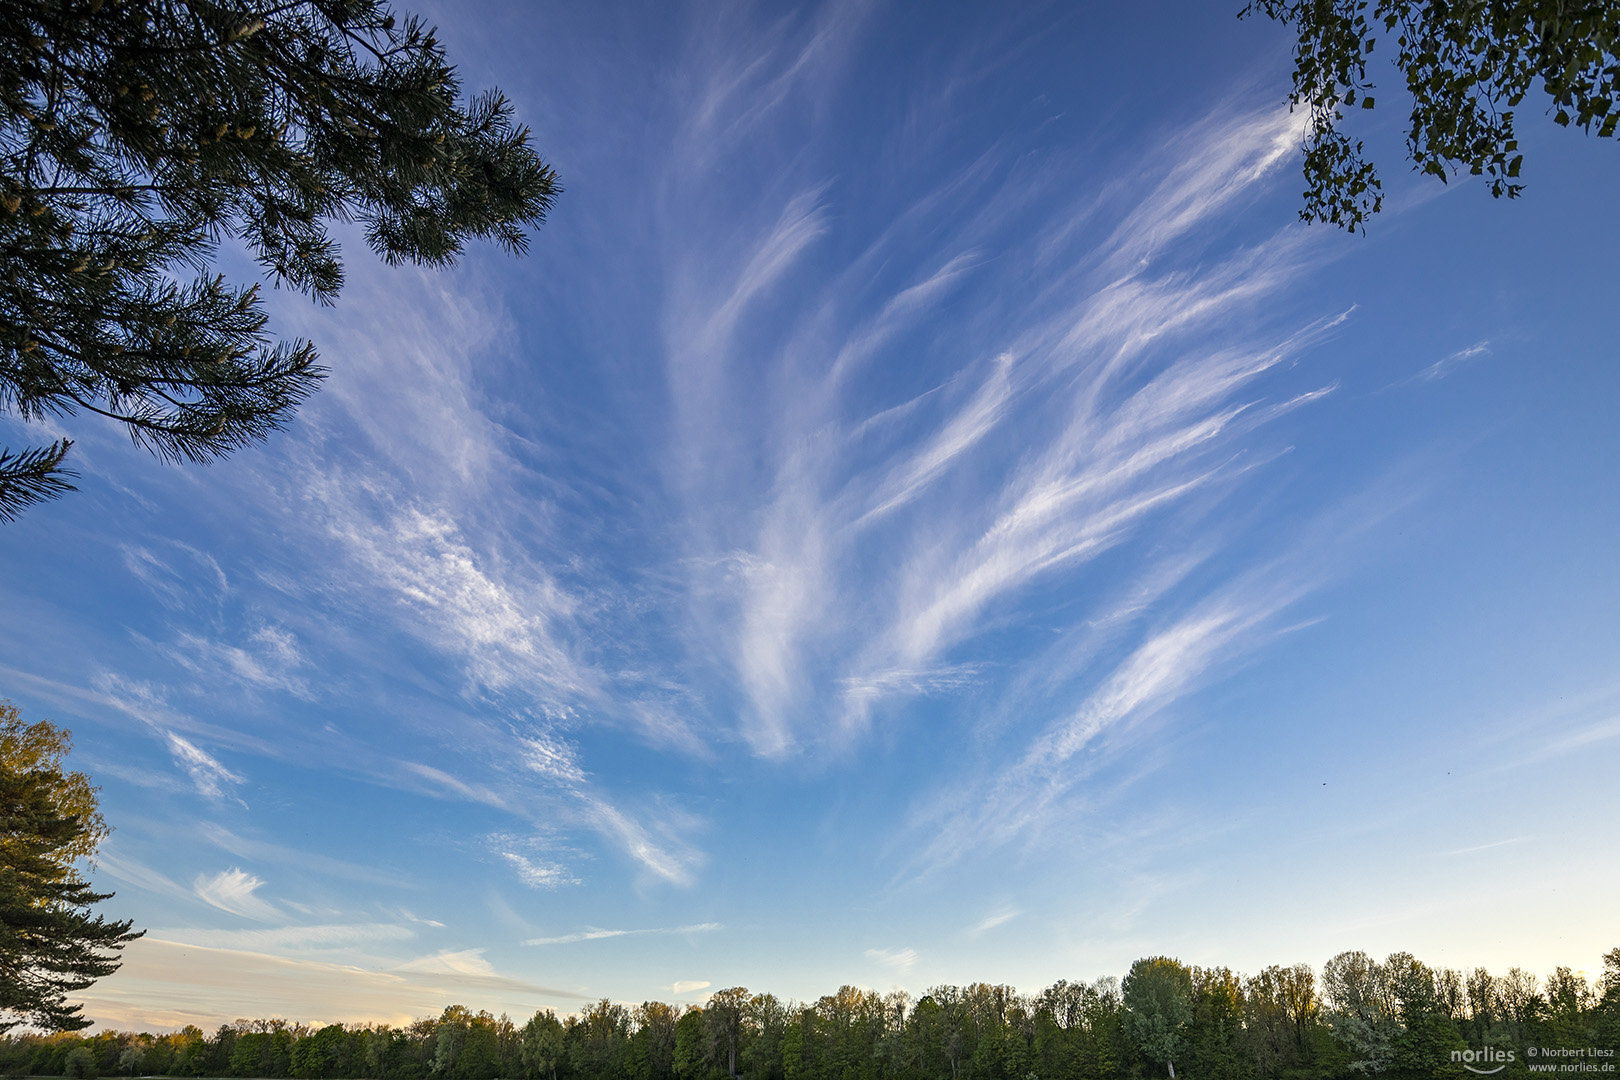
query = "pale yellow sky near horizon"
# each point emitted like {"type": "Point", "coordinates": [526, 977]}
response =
{"type": "Point", "coordinates": [161, 981]}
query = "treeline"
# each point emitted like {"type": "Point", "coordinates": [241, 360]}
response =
{"type": "Point", "coordinates": [1397, 1019]}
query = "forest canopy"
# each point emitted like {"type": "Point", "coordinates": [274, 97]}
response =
{"type": "Point", "coordinates": [1397, 1018]}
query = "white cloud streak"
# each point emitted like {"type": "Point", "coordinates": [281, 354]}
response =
{"type": "Point", "coordinates": [552, 758]}
{"type": "Point", "coordinates": [873, 450]}
{"type": "Point", "coordinates": [439, 537]}
{"type": "Point", "coordinates": [538, 874]}
{"type": "Point", "coordinates": [207, 774]}
{"type": "Point", "coordinates": [324, 936]}
{"type": "Point", "coordinates": [504, 632]}
{"type": "Point", "coordinates": [267, 662]}
{"type": "Point", "coordinates": [1024, 797]}
{"type": "Point", "coordinates": [467, 962]}
{"type": "Point", "coordinates": [236, 891]}
{"type": "Point", "coordinates": [141, 876]}
{"type": "Point", "coordinates": [1447, 364]}
{"type": "Point", "coordinates": [880, 546]}
{"type": "Point", "coordinates": [990, 922]}
{"type": "Point", "coordinates": [898, 961]}
{"type": "Point", "coordinates": [597, 934]}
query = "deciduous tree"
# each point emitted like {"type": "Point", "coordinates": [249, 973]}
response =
{"type": "Point", "coordinates": [1468, 65]}
{"type": "Point", "coordinates": [542, 1045]}
{"type": "Point", "coordinates": [1158, 1005]}
{"type": "Point", "coordinates": [725, 1020]}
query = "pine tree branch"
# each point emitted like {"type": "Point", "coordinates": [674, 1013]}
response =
{"type": "Point", "coordinates": [33, 476]}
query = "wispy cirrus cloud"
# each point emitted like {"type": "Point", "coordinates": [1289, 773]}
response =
{"type": "Point", "coordinates": [1452, 361]}
{"type": "Point", "coordinates": [875, 547]}
{"type": "Point", "coordinates": [1166, 665]}
{"type": "Point", "coordinates": [538, 873]}
{"type": "Point", "coordinates": [859, 488]}
{"type": "Point", "coordinates": [1118, 695]}
{"type": "Point", "coordinates": [999, 918]}
{"type": "Point", "coordinates": [873, 448]}
{"type": "Point", "coordinates": [140, 875]}
{"type": "Point", "coordinates": [898, 961]}
{"type": "Point", "coordinates": [314, 937]}
{"type": "Point", "coordinates": [598, 934]}
{"type": "Point", "coordinates": [1485, 847]}
{"type": "Point", "coordinates": [851, 507]}
{"type": "Point", "coordinates": [179, 575]}
{"type": "Point", "coordinates": [661, 848]}
{"type": "Point", "coordinates": [469, 962]}
{"type": "Point", "coordinates": [205, 770]}
{"type": "Point", "coordinates": [148, 703]}
{"type": "Point", "coordinates": [268, 660]}
{"type": "Point", "coordinates": [236, 891]}
{"type": "Point", "coordinates": [505, 632]}
{"type": "Point", "coordinates": [248, 847]}
{"type": "Point", "coordinates": [552, 758]}
{"type": "Point", "coordinates": [439, 537]}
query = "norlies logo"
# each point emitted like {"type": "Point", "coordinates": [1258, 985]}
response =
{"type": "Point", "coordinates": [1475, 1060]}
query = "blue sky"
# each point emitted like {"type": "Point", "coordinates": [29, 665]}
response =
{"type": "Point", "coordinates": [924, 512]}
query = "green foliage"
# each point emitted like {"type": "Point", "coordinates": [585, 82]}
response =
{"type": "Point", "coordinates": [1158, 1001]}
{"type": "Point", "coordinates": [599, 1039]}
{"type": "Point", "coordinates": [1214, 1034]}
{"type": "Point", "coordinates": [688, 1060]}
{"type": "Point", "coordinates": [542, 1046]}
{"type": "Point", "coordinates": [319, 1055]}
{"type": "Point", "coordinates": [1280, 1013]}
{"type": "Point", "coordinates": [651, 1054]}
{"type": "Point", "coordinates": [189, 1046]}
{"type": "Point", "coordinates": [50, 944]}
{"type": "Point", "coordinates": [80, 1063]}
{"type": "Point", "coordinates": [1422, 1045]}
{"type": "Point", "coordinates": [135, 135]}
{"type": "Point", "coordinates": [42, 747]}
{"type": "Point", "coordinates": [1282, 1023]}
{"type": "Point", "coordinates": [480, 1055]}
{"type": "Point", "coordinates": [768, 1020]}
{"type": "Point", "coordinates": [469, 1046]}
{"type": "Point", "coordinates": [1468, 66]}
{"type": "Point", "coordinates": [32, 476]}
{"type": "Point", "coordinates": [261, 1053]}
{"type": "Point", "coordinates": [1361, 1010]}
{"type": "Point", "coordinates": [723, 1023]}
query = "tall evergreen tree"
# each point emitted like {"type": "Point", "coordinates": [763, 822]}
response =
{"type": "Point", "coordinates": [136, 135]}
{"type": "Point", "coordinates": [50, 942]}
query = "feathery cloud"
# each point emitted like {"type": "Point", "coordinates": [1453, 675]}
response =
{"type": "Point", "coordinates": [898, 961]}
{"type": "Point", "coordinates": [209, 776]}
{"type": "Point", "coordinates": [235, 891]}
{"type": "Point", "coordinates": [597, 934]}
